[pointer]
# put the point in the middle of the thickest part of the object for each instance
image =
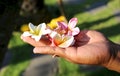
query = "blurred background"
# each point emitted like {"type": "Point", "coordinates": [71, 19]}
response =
{"type": "Point", "coordinates": [17, 58]}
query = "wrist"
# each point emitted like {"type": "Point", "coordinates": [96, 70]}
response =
{"type": "Point", "coordinates": [114, 64]}
{"type": "Point", "coordinates": [114, 61]}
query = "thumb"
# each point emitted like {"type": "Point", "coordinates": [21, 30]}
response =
{"type": "Point", "coordinates": [49, 50]}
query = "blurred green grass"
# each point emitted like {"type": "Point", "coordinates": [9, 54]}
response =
{"type": "Point", "coordinates": [104, 21]}
{"type": "Point", "coordinates": [21, 55]}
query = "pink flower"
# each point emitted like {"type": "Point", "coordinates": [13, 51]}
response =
{"type": "Point", "coordinates": [63, 35]}
{"type": "Point", "coordinates": [62, 41]}
{"type": "Point", "coordinates": [69, 28]}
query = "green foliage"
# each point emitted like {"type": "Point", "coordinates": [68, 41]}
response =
{"type": "Point", "coordinates": [50, 2]}
{"type": "Point", "coordinates": [67, 68]}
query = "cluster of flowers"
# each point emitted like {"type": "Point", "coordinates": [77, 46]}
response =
{"type": "Point", "coordinates": [62, 35]}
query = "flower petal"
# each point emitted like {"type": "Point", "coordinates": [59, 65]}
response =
{"type": "Point", "coordinates": [43, 26]}
{"type": "Point", "coordinates": [41, 29]}
{"type": "Point", "coordinates": [69, 33]}
{"type": "Point", "coordinates": [57, 39]}
{"type": "Point", "coordinates": [26, 34]}
{"type": "Point", "coordinates": [67, 43]}
{"type": "Point", "coordinates": [38, 28]}
{"type": "Point", "coordinates": [53, 34]}
{"type": "Point", "coordinates": [62, 25]}
{"type": "Point", "coordinates": [75, 31]}
{"type": "Point", "coordinates": [37, 38]}
{"type": "Point", "coordinates": [47, 31]}
{"type": "Point", "coordinates": [72, 23]}
{"type": "Point", "coordinates": [32, 27]}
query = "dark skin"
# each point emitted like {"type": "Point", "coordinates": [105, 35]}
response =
{"type": "Point", "coordinates": [91, 47]}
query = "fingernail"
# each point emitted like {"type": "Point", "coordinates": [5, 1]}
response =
{"type": "Point", "coordinates": [36, 50]}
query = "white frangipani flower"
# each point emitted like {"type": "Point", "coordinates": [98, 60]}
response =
{"type": "Point", "coordinates": [36, 32]}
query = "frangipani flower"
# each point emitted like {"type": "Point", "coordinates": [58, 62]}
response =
{"type": "Point", "coordinates": [59, 33]}
{"type": "Point", "coordinates": [53, 22]}
{"type": "Point", "coordinates": [69, 29]}
{"type": "Point", "coordinates": [24, 28]}
{"type": "Point", "coordinates": [37, 32]}
{"type": "Point", "coordinates": [62, 41]}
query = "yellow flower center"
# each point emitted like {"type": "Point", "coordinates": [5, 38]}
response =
{"type": "Point", "coordinates": [36, 32]}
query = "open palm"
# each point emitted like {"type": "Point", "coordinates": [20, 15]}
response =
{"type": "Point", "coordinates": [89, 48]}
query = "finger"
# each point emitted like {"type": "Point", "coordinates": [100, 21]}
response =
{"type": "Point", "coordinates": [48, 50]}
{"type": "Point", "coordinates": [29, 40]}
{"type": "Point", "coordinates": [67, 53]}
{"type": "Point", "coordinates": [44, 50]}
{"type": "Point", "coordinates": [26, 39]}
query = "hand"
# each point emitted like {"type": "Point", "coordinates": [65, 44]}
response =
{"type": "Point", "coordinates": [91, 47]}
